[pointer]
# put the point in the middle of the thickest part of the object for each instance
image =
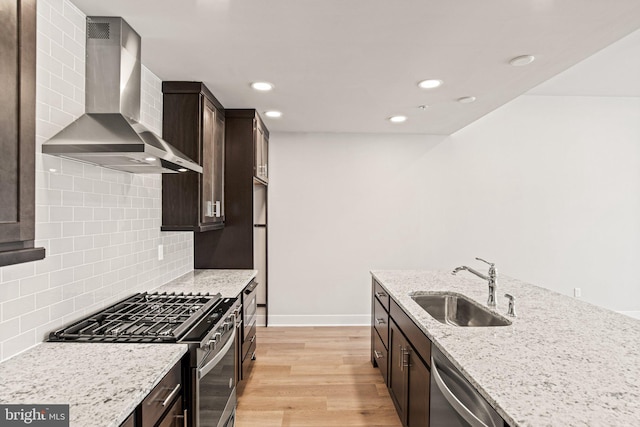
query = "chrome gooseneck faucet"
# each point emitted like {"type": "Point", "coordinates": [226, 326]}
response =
{"type": "Point", "coordinates": [491, 278]}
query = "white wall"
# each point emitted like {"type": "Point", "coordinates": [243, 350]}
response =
{"type": "Point", "coordinates": [100, 228]}
{"type": "Point", "coordinates": [549, 189]}
{"type": "Point", "coordinates": [546, 187]}
{"type": "Point", "coordinates": [339, 206]}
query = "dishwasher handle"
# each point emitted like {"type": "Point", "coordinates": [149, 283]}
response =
{"type": "Point", "coordinates": [455, 403]}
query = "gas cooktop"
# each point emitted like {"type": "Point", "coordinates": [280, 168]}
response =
{"type": "Point", "coordinates": [143, 318]}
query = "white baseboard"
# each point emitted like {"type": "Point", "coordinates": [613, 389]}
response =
{"type": "Point", "coordinates": [316, 320]}
{"type": "Point", "coordinates": [634, 314]}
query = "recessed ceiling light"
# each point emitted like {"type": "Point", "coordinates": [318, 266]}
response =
{"type": "Point", "coordinates": [182, 170]}
{"type": "Point", "coordinates": [150, 159]}
{"type": "Point", "coordinates": [273, 114]}
{"type": "Point", "coordinates": [262, 86]}
{"type": "Point", "coordinates": [398, 119]}
{"type": "Point", "coordinates": [430, 84]}
{"type": "Point", "coordinates": [466, 99]}
{"type": "Point", "coordinates": [522, 60]}
{"type": "Point", "coordinates": [423, 107]}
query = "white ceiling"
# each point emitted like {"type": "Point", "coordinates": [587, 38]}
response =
{"type": "Point", "coordinates": [347, 65]}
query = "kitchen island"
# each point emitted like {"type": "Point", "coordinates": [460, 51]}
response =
{"type": "Point", "coordinates": [562, 361]}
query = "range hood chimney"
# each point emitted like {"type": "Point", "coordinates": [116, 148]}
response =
{"type": "Point", "coordinates": [109, 134]}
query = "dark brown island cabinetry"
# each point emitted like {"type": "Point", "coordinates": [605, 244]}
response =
{"type": "Point", "coordinates": [242, 243]}
{"type": "Point", "coordinates": [402, 353]}
{"type": "Point", "coordinates": [17, 132]}
{"type": "Point", "coordinates": [193, 121]}
{"type": "Point", "coordinates": [164, 405]}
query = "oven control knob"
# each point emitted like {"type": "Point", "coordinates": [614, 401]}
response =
{"type": "Point", "coordinates": [212, 342]}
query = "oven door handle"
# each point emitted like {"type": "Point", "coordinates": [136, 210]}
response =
{"type": "Point", "coordinates": [213, 362]}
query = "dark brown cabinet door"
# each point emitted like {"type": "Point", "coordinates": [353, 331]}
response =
{"type": "Point", "coordinates": [418, 393]}
{"type": "Point", "coordinates": [398, 373]}
{"type": "Point", "coordinates": [408, 380]}
{"type": "Point", "coordinates": [212, 194]}
{"type": "Point", "coordinates": [194, 122]}
{"type": "Point", "coordinates": [261, 153]}
{"type": "Point", "coordinates": [17, 132]}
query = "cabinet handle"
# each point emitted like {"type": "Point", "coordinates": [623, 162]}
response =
{"type": "Point", "coordinates": [381, 295]}
{"type": "Point", "coordinates": [253, 338]}
{"type": "Point", "coordinates": [404, 358]}
{"type": "Point", "coordinates": [184, 418]}
{"type": "Point", "coordinates": [377, 354]}
{"type": "Point", "coordinates": [171, 395]}
{"type": "Point", "coordinates": [217, 212]}
{"type": "Point", "coordinates": [380, 321]}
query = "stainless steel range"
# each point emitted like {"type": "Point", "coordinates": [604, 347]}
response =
{"type": "Point", "coordinates": [207, 323]}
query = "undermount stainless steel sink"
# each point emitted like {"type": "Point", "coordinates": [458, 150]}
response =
{"type": "Point", "coordinates": [456, 309]}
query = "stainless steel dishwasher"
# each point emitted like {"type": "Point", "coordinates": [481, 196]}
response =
{"type": "Point", "coordinates": [454, 401]}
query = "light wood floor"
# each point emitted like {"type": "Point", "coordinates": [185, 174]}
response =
{"type": "Point", "coordinates": [314, 377]}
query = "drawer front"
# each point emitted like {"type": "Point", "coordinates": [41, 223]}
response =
{"type": "Point", "coordinates": [417, 338]}
{"type": "Point", "coordinates": [175, 417]}
{"type": "Point", "coordinates": [247, 363]}
{"type": "Point", "coordinates": [249, 308]}
{"type": "Point", "coordinates": [381, 295]}
{"type": "Point", "coordinates": [380, 355]}
{"type": "Point", "coordinates": [381, 322]}
{"type": "Point", "coordinates": [162, 396]}
{"type": "Point", "coordinates": [250, 340]}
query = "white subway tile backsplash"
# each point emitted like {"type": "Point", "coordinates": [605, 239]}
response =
{"type": "Point", "coordinates": [9, 291]}
{"type": "Point", "coordinates": [9, 328]}
{"type": "Point", "coordinates": [60, 246]}
{"type": "Point", "coordinates": [48, 297]}
{"type": "Point", "coordinates": [70, 229]}
{"type": "Point", "coordinates": [73, 259]}
{"type": "Point", "coordinates": [34, 284]}
{"type": "Point", "coordinates": [60, 277]}
{"type": "Point", "coordinates": [18, 306]}
{"type": "Point", "coordinates": [34, 319]}
{"type": "Point", "coordinates": [17, 271]}
{"type": "Point", "coordinates": [60, 213]}
{"type": "Point", "coordinates": [61, 309]}
{"type": "Point", "coordinates": [100, 227]}
{"type": "Point", "coordinates": [51, 263]}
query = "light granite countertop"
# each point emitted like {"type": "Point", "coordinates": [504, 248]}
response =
{"type": "Point", "coordinates": [102, 383]}
{"type": "Point", "coordinates": [228, 282]}
{"type": "Point", "coordinates": [563, 362]}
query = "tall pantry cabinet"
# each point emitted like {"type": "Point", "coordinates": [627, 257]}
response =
{"type": "Point", "coordinates": [242, 243]}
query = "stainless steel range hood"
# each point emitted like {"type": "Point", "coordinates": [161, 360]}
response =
{"type": "Point", "coordinates": [109, 133]}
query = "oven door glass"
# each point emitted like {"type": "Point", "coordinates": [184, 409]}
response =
{"type": "Point", "coordinates": [216, 388]}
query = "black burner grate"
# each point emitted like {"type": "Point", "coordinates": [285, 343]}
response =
{"type": "Point", "coordinates": [144, 317]}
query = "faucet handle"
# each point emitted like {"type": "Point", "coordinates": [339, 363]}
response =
{"type": "Point", "coordinates": [486, 262]}
{"type": "Point", "coordinates": [511, 311]}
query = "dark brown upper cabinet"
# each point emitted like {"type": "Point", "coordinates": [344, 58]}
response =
{"type": "Point", "coordinates": [17, 132]}
{"type": "Point", "coordinates": [193, 121]}
{"type": "Point", "coordinates": [261, 152]}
